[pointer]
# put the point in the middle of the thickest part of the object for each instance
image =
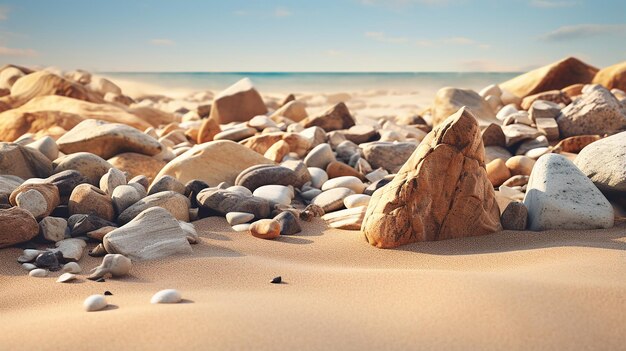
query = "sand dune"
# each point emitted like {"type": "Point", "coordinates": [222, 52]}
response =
{"type": "Point", "coordinates": [510, 290]}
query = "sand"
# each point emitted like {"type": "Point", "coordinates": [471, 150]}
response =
{"type": "Point", "coordinates": [510, 290]}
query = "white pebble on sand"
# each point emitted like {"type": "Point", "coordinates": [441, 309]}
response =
{"type": "Point", "coordinates": [95, 303]}
{"type": "Point", "coordinates": [166, 296]}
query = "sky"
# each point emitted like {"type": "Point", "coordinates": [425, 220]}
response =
{"type": "Point", "coordinates": [322, 35]}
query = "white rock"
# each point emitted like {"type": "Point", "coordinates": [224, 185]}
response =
{"type": "Point", "coordinates": [66, 277]}
{"type": "Point", "coordinates": [72, 249]}
{"type": "Point", "coordinates": [33, 202]}
{"type": "Point", "coordinates": [71, 267]}
{"type": "Point", "coordinates": [190, 230]}
{"type": "Point", "coordinates": [29, 255]}
{"type": "Point", "coordinates": [560, 196]}
{"type": "Point", "coordinates": [318, 177]}
{"type": "Point", "coordinates": [376, 175]}
{"type": "Point", "coordinates": [604, 162]}
{"type": "Point", "coordinates": [113, 265]}
{"type": "Point", "coordinates": [166, 296]}
{"type": "Point", "coordinates": [244, 227]}
{"type": "Point", "coordinates": [320, 156]}
{"type": "Point", "coordinates": [356, 200]}
{"type": "Point", "coordinates": [240, 189]}
{"type": "Point", "coordinates": [95, 303]}
{"type": "Point", "coordinates": [28, 266]}
{"type": "Point", "coordinates": [234, 218]}
{"type": "Point", "coordinates": [53, 228]}
{"type": "Point", "coordinates": [38, 273]}
{"type": "Point", "coordinates": [506, 111]}
{"type": "Point", "coordinates": [276, 193]}
{"type": "Point", "coordinates": [350, 182]}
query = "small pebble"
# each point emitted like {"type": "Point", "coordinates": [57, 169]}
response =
{"type": "Point", "coordinates": [166, 296]}
{"type": "Point", "coordinates": [28, 266]}
{"type": "Point", "coordinates": [71, 267]}
{"type": "Point", "coordinates": [242, 227]}
{"type": "Point", "coordinates": [38, 273]}
{"type": "Point", "coordinates": [95, 303]}
{"type": "Point", "coordinates": [277, 280]}
{"type": "Point", "coordinates": [108, 293]}
{"type": "Point", "coordinates": [66, 277]}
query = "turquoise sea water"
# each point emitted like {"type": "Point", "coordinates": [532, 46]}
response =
{"type": "Point", "coordinates": [319, 81]}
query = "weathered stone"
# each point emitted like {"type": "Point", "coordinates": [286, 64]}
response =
{"type": "Point", "coordinates": [175, 203]}
{"type": "Point", "coordinates": [91, 166]}
{"type": "Point", "coordinates": [223, 201]}
{"type": "Point", "coordinates": [336, 118]}
{"type": "Point", "coordinates": [348, 219]}
{"type": "Point", "coordinates": [493, 136]}
{"type": "Point", "coordinates": [235, 134]}
{"type": "Point", "coordinates": [23, 162]}
{"type": "Point", "coordinates": [350, 182]}
{"type": "Point", "coordinates": [113, 265]}
{"type": "Point", "coordinates": [47, 146]}
{"type": "Point", "coordinates": [39, 205]}
{"type": "Point", "coordinates": [560, 196]}
{"type": "Point", "coordinates": [575, 144]}
{"type": "Point", "coordinates": [450, 100]}
{"type": "Point", "coordinates": [288, 222]}
{"type": "Point", "coordinates": [294, 110]}
{"type": "Point", "coordinates": [359, 134]}
{"type": "Point", "coordinates": [390, 156]}
{"type": "Point", "coordinates": [277, 151]}
{"type": "Point", "coordinates": [514, 216]}
{"type": "Point", "coordinates": [137, 164]}
{"type": "Point", "coordinates": [260, 175]}
{"type": "Point", "coordinates": [553, 96]}
{"type": "Point", "coordinates": [337, 169]}
{"type": "Point", "coordinates": [166, 183]}
{"type": "Point", "coordinates": [125, 196]}
{"type": "Point", "coordinates": [548, 127]}
{"type": "Point", "coordinates": [519, 132]}
{"type": "Point", "coordinates": [53, 228]}
{"type": "Point", "coordinates": [66, 181]}
{"type": "Point", "coordinates": [71, 250]}
{"type": "Point", "coordinates": [332, 199]}
{"type": "Point", "coordinates": [442, 192]}
{"type": "Point", "coordinates": [80, 224]}
{"type": "Point", "coordinates": [604, 162]}
{"type": "Point", "coordinates": [16, 226]}
{"type": "Point", "coordinates": [112, 179]}
{"type": "Point", "coordinates": [544, 109]}
{"type": "Point", "coordinates": [87, 199]}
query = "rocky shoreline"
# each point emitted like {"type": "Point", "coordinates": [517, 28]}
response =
{"type": "Point", "coordinates": [84, 167]}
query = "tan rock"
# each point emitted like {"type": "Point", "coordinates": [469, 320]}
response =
{"type": "Point", "coordinates": [238, 103]}
{"type": "Point", "coordinates": [261, 143]}
{"type": "Point", "coordinates": [265, 229]}
{"type": "Point", "coordinates": [91, 166]}
{"type": "Point", "coordinates": [175, 203]}
{"type": "Point", "coordinates": [612, 77]}
{"type": "Point", "coordinates": [449, 100]}
{"type": "Point", "coordinates": [277, 151]}
{"type": "Point", "coordinates": [87, 199]}
{"type": "Point", "coordinates": [49, 192]}
{"type": "Point", "coordinates": [493, 136]}
{"type": "Point", "coordinates": [337, 117]}
{"type": "Point", "coordinates": [339, 169]}
{"type": "Point", "coordinates": [348, 219]}
{"type": "Point", "coordinates": [137, 164]}
{"type": "Point", "coordinates": [294, 110]}
{"type": "Point", "coordinates": [573, 90]}
{"type": "Point", "coordinates": [23, 162]}
{"type": "Point", "coordinates": [16, 226]}
{"type": "Point", "coordinates": [497, 172]}
{"type": "Point", "coordinates": [208, 130]}
{"type": "Point", "coordinates": [557, 75]}
{"type": "Point", "coordinates": [520, 165]}
{"type": "Point", "coordinates": [441, 192]}
{"type": "Point", "coordinates": [575, 144]}
{"type": "Point", "coordinates": [15, 123]}
{"type": "Point", "coordinates": [555, 96]}
{"type": "Point", "coordinates": [153, 116]}
{"type": "Point", "coordinates": [213, 162]}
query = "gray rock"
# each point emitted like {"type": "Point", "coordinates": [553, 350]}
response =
{"type": "Point", "coordinates": [260, 175]}
{"type": "Point", "coordinates": [174, 202]}
{"type": "Point", "coordinates": [47, 146]}
{"type": "Point", "coordinates": [91, 166]}
{"type": "Point", "coordinates": [32, 201]}
{"type": "Point", "coordinates": [112, 179]}
{"type": "Point", "coordinates": [390, 156]}
{"type": "Point", "coordinates": [289, 224]}
{"type": "Point", "coordinates": [345, 150]}
{"type": "Point", "coordinates": [70, 249]}
{"type": "Point", "coordinates": [320, 156]}
{"type": "Point", "coordinates": [604, 162]}
{"type": "Point", "coordinates": [53, 228]}
{"type": "Point", "coordinates": [81, 224]}
{"type": "Point", "coordinates": [302, 173]}
{"type": "Point", "coordinates": [223, 201]}
{"type": "Point", "coordinates": [278, 194]}
{"type": "Point", "coordinates": [544, 109]}
{"type": "Point", "coordinates": [595, 112]}
{"type": "Point", "coordinates": [166, 183]}
{"type": "Point", "coordinates": [234, 218]}
{"type": "Point", "coordinates": [560, 196]}
{"type": "Point", "coordinates": [332, 200]}
{"type": "Point", "coordinates": [125, 196]}
{"type": "Point", "coordinates": [524, 147]}
{"type": "Point", "coordinates": [514, 216]}
{"type": "Point", "coordinates": [315, 135]}
{"type": "Point", "coordinates": [318, 177]}
{"type": "Point", "coordinates": [519, 132]}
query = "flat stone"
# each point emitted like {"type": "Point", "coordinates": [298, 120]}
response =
{"type": "Point", "coordinates": [261, 175]}
{"type": "Point", "coordinates": [348, 219]}
{"type": "Point", "coordinates": [519, 132]}
{"type": "Point", "coordinates": [356, 200]}
{"type": "Point", "coordinates": [223, 201]}
{"type": "Point", "coordinates": [390, 156]}
{"type": "Point", "coordinates": [332, 199]}
{"type": "Point", "coordinates": [350, 182]}
{"type": "Point", "coordinates": [235, 134]}
{"type": "Point", "coordinates": [81, 224]}
{"type": "Point", "coordinates": [544, 109]}
{"type": "Point", "coordinates": [548, 127]}
{"type": "Point", "coordinates": [234, 218]}
{"type": "Point", "coordinates": [275, 194]}
{"type": "Point", "coordinates": [175, 203]}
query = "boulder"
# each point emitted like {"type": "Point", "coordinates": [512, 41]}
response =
{"type": "Point", "coordinates": [336, 118]}
{"type": "Point", "coordinates": [238, 103]}
{"type": "Point", "coordinates": [137, 164]}
{"type": "Point", "coordinates": [450, 100]}
{"type": "Point", "coordinates": [441, 192]}
{"type": "Point", "coordinates": [213, 162]}
{"type": "Point", "coordinates": [107, 140]}
{"type": "Point", "coordinates": [560, 196]}
{"type": "Point", "coordinates": [42, 83]}
{"type": "Point", "coordinates": [557, 75]}
{"type": "Point", "coordinates": [16, 226]}
{"type": "Point", "coordinates": [23, 162]}
{"type": "Point", "coordinates": [596, 112]}
{"type": "Point", "coordinates": [153, 234]}
{"type": "Point", "coordinates": [604, 162]}
{"type": "Point", "coordinates": [612, 77]}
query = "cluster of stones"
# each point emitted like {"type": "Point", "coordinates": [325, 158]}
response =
{"type": "Point", "coordinates": [83, 163]}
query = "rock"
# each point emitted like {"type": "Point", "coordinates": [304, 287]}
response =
{"type": "Point", "coordinates": [53, 228]}
{"type": "Point", "coordinates": [192, 188]}
{"type": "Point", "coordinates": [520, 165]}
{"type": "Point", "coordinates": [47, 146]}
{"type": "Point", "coordinates": [450, 100]}
{"type": "Point", "coordinates": [125, 196]}
{"type": "Point", "coordinates": [49, 259]}
{"type": "Point", "coordinates": [553, 96]}
{"type": "Point", "coordinates": [518, 180]}
{"type": "Point", "coordinates": [98, 234]}
{"type": "Point", "coordinates": [140, 182]}
{"type": "Point", "coordinates": [113, 265]}
{"type": "Point", "coordinates": [112, 179]}
{"type": "Point", "coordinates": [208, 129]}
{"type": "Point", "coordinates": [107, 139]}
{"type": "Point", "coordinates": [277, 151]}
{"type": "Point", "coordinates": [71, 267]}
{"type": "Point", "coordinates": [497, 172]}
{"type": "Point", "coordinates": [318, 177]}
{"type": "Point", "coordinates": [262, 142]}
{"type": "Point", "coordinates": [320, 156]}
{"type": "Point", "coordinates": [152, 234]}
{"type": "Point", "coordinates": [514, 216]}
{"type": "Point", "coordinates": [223, 201]}
{"type": "Point", "coordinates": [301, 171]}
{"type": "Point", "coordinates": [612, 77]}
{"type": "Point", "coordinates": [33, 202]}
{"type": "Point", "coordinates": [261, 122]}
{"type": "Point", "coordinates": [91, 166]}
{"type": "Point", "coordinates": [41, 199]}
{"type": "Point", "coordinates": [98, 251]}
{"type": "Point", "coordinates": [548, 127]}
{"type": "Point", "coordinates": [95, 303]}
{"type": "Point", "coordinates": [278, 194]}
{"type": "Point", "coordinates": [556, 75]}
{"type": "Point", "coordinates": [348, 219]}
{"type": "Point", "coordinates": [66, 181]}
{"type": "Point", "coordinates": [213, 163]}
{"type": "Point", "coordinates": [538, 142]}
{"type": "Point", "coordinates": [337, 169]}
{"type": "Point", "coordinates": [166, 296]}
{"type": "Point", "coordinates": [238, 103]}
{"type": "Point", "coordinates": [310, 212]}
{"type": "Point", "coordinates": [38, 273]}
{"type": "Point", "coordinates": [234, 218]}
{"type": "Point", "coordinates": [70, 249]}
{"type": "Point", "coordinates": [544, 109]}
{"type": "Point", "coordinates": [235, 134]}
{"type": "Point", "coordinates": [87, 199]}
{"type": "Point", "coordinates": [137, 164]}
{"type": "Point", "coordinates": [332, 199]}
{"type": "Point", "coordinates": [315, 135]}
{"type": "Point", "coordinates": [356, 200]}
{"type": "Point", "coordinates": [276, 280]}
{"type": "Point", "coordinates": [494, 152]}
{"type": "Point", "coordinates": [390, 156]}
{"type": "Point", "coordinates": [294, 110]}
{"type": "Point", "coordinates": [604, 162]}
{"type": "Point", "coordinates": [23, 162]}
{"type": "Point", "coordinates": [29, 255]}
{"type": "Point", "coordinates": [81, 224]}
{"type": "Point", "coordinates": [166, 183]}
{"type": "Point", "coordinates": [66, 277]}
{"type": "Point", "coordinates": [243, 227]}
{"type": "Point", "coordinates": [16, 226]}
{"type": "Point", "coordinates": [442, 192]}
{"type": "Point", "coordinates": [8, 184]}
{"type": "Point", "coordinates": [265, 229]}
{"type": "Point", "coordinates": [376, 175]}
{"type": "Point", "coordinates": [575, 144]}
{"type": "Point", "coordinates": [260, 175]}
{"type": "Point", "coordinates": [336, 118]}
{"type": "Point", "coordinates": [359, 134]}
{"type": "Point", "coordinates": [289, 224]}
{"type": "Point", "coordinates": [560, 196]}
{"type": "Point", "coordinates": [493, 136]}
{"type": "Point", "coordinates": [175, 203]}
{"type": "Point", "coordinates": [28, 266]}
{"type": "Point", "coordinates": [595, 112]}
{"type": "Point", "coordinates": [350, 182]}
{"type": "Point", "coordinates": [516, 133]}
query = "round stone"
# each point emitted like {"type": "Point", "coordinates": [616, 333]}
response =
{"type": "Point", "coordinates": [166, 296]}
{"type": "Point", "coordinates": [332, 200]}
{"type": "Point", "coordinates": [234, 218]}
{"type": "Point", "coordinates": [318, 177]}
{"type": "Point", "coordinates": [356, 200]}
{"type": "Point", "coordinates": [350, 182]}
{"type": "Point", "coordinates": [265, 229]}
{"type": "Point", "coordinates": [275, 193]}
{"type": "Point", "coordinates": [94, 303]}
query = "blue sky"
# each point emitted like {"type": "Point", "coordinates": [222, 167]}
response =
{"type": "Point", "coordinates": [339, 35]}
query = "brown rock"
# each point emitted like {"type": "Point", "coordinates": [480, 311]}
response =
{"type": "Point", "coordinates": [493, 136]}
{"type": "Point", "coordinates": [449, 100]}
{"type": "Point", "coordinates": [514, 216]}
{"type": "Point", "coordinates": [575, 143]}
{"type": "Point", "coordinates": [338, 169]}
{"type": "Point", "coordinates": [261, 143]}
{"type": "Point", "coordinates": [441, 192]}
{"type": "Point", "coordinates": [208, 130]}
{"type": "Point", "coordinates": [153, 116]}
{"type": "Point", "coordinates": [265, 229]}
{"type": "Point", "coordinates": [23, 162]}
{"type": "Point", "coordinates": [336, 118]}
{"type": "Point", "coordinates": [238, 103]}
{"type": "Point", "coordinates": [289, 98]}
{"type": "Point", "coordinates": [557, 75]}
{"type": "Point", "coordinates": [612, 77]}
{"type": "Point", "coordinates": [87, 199]}
{"type": "Point", "coordinates": [294, 110]}
{"type": "Point", "coordinates": [91, 166]}
{"type": "Point", "coordinates": [14, 123]}
{"type": "Point", "coordinates": [497, 172]}
{"type": "Point", "coordinates": [137, 164]}
{"type": "Point", "coordinates": [16, 226]}
{"type": "Point", "coordinates": [573, 90]}
{"type": "Point", "coordinates": [555, 96]}
{"type": "Point", "coordinates": [520, 165]}
{"type": "Point", "coordinates": [277, 151]}
{"type": "Point", "coordinates": [50, 193]}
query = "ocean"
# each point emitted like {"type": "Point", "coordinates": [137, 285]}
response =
{"type": "Point", "coordinates": [288, 82]}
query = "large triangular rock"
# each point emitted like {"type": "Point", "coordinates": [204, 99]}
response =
{"type": "Point", "coordinates": [238, 103]}
{"type": "Point", "coordinates": [441, 192]}
{"type": "Point", "coordinates": [153, 234]}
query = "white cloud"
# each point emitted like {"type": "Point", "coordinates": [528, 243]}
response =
{"type": "Point", "coordinates": [282, 12]}
{"type": "Point", "coordinates": [162, 42]}
{"type": "Point", "coordinates": [551, 4]}
{"type": "Point", "coordinates": [14, 52]}
{"type": "Point", "coordinates": [380, 36]}
{"type": "Point", "coordinates": [584, 31]}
